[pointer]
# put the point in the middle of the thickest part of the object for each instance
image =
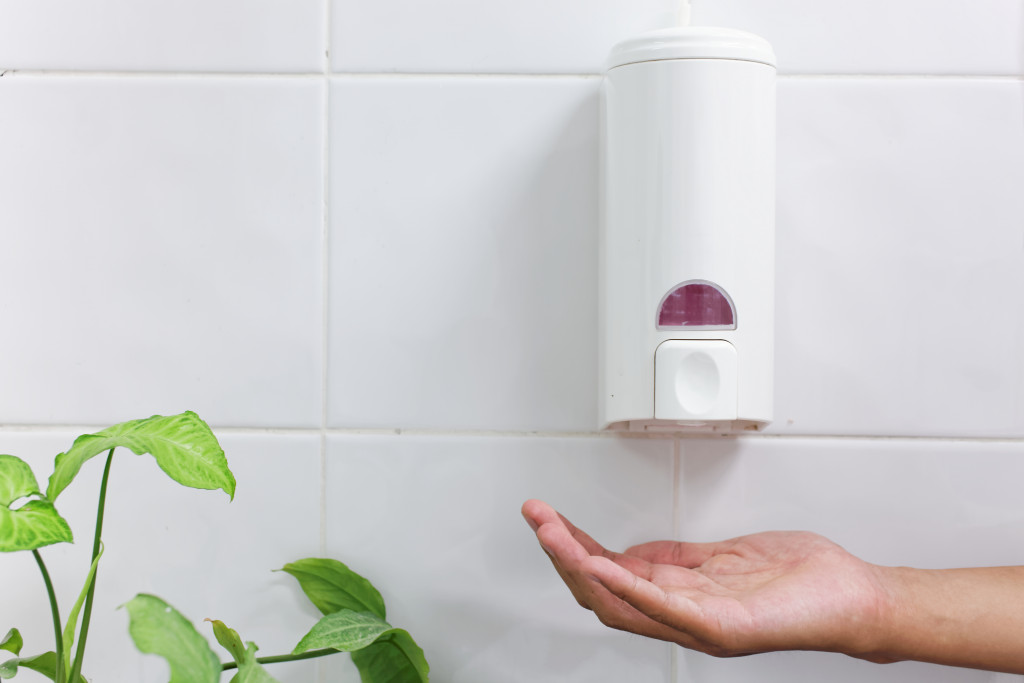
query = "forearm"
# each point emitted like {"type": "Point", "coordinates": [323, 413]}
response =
{"type": "Point", "coordinates": [959, 617]}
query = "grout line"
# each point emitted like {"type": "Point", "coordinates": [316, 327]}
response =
{"type": "Point", "coordinates": [170, 75]}
{"type": "Point", "coordinates": [893, 437]}
{"type": "Point", "coordinates": [325, 269]}
{"type": "Point", "coordinates": [327, 37]}
{"type": "Point", "coordinates": [325, 291]}
{"type": "Point", "coordinates": [461, 76]}
{"type": "Point", "coordinates": [324, 431]}
{"type": "Point", "coordinates": [677, 472]}
{"type": "Point", "coordinates": [324, 317]}
{"type": "Point", "coordinates": [302, 75]}
{"type": "Point", "coordinates": [902, 77]}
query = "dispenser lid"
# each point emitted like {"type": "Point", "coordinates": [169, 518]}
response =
{"type": "Point", "coordinates": [692, 42]}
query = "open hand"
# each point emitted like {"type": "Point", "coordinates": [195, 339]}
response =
{"type": "Point", "coordinates": [769, 591]}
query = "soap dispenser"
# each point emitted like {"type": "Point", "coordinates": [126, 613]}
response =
{"type": "Point", "coordinates": [687, 240]}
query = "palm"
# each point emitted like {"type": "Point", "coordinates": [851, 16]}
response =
{"type": "Point", "coordinates": [761, 592]}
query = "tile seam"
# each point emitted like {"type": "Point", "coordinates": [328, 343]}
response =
{"type": "Point", "coordinates": [901, 77]}
{"type": "Point", "coordinates": [169, 75]}
{"type": "Point", "coordinates": [398, 75]}
{"type": "Point", "coordinates": [27, 428]}
{"type": "Point", "coordinates": [325, 268]}
{"type": "Point", "coordinates": [677, 464]}
{"type": "Point", "coordinates": [305, 75]}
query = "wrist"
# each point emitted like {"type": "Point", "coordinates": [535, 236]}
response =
{"type": "Point", "coordinates": [957, 617]}
{"type": "Point", "coordinates": [882, 627]}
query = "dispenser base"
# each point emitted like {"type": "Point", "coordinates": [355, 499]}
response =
{"type": "Point", "coordinates": [688, 427]}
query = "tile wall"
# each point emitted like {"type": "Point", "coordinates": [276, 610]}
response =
{"type": "Point", "coordinates": [359, 239]}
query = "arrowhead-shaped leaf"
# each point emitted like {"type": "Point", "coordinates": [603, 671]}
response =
{"type": "Point", "coordinates": [45, 664]}
{"type": "Point", "coordinates": [34, 524]}
{"type": "Point", "coordinates": [12, 642]}
{"type": "Point", "coordinates": [249, 670]}
{"type": "Point", "coordinates": [183, 445]}
{"type": "Point", "coordinates": [332, 587]}
{"type": "Point", "coordinates": [345, 631]}
{"type": "Point", "coordinates": [394, 658]}
{"type": "Point", "coordinates": [157, 628]}
{"type": "Point", "coordinates": [16, 480]}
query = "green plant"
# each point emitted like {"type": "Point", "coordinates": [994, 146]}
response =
{"type": "Point", "coordinates": [186, 450]}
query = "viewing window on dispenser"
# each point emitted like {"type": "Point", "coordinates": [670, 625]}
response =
{"type": "Point", "coordinates": [697, 305]}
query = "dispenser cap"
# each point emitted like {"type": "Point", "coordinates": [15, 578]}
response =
{"type": "Point", "coordinates": [692, 42]}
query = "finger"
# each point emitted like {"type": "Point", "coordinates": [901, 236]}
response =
{"type": "Point", "coordinates": [619, 613]}
{"type": "Point", "coordinates": [567, 550]}
{"type": "Point", "coordinates": [565, 554]}
{"type": "Point", "coordinates": [569, 558]}
{"type": "Point", "coordinates": [565, 545]}
{"type": "Point", "coordinates": [586, 541]}
{"type": "Point", "coordinates": [538, 513]}
{"type": "Point", "coordinates": [570, 561]}
{"type": "Point", "coordinates": [671, 610]}
{"type": "Point", "coordinates": [561, 544]}
{"type": "Point", "coordinates": [636, 565]}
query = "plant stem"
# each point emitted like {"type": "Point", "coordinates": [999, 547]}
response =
{"type": "Point", "coordinates": [285, 658]}
{"type": "Point", "coordinates": [59, 645]}
{"type": "Point", "coordinates": [76, 670]}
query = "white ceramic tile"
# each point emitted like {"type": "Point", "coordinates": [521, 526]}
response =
{"type": "Point", "coordinates": [900, 259]}
{"type": "Point", "coordinates": [880, 36]}
{"type": "Point", "coordinates": [434, 522]}
{"type": "Point", "coordinates": [463, 36]}
{"type": "Point", "coordinates": [917, 503]}
{"type": "Point", "coordinates": [208, 557]}
{"type": "Point", "coordinates": [463, 253]}
{"type": "Point", "coordinates": [161, 249]}
{"type": "Point", "coordinates": [145, 35]}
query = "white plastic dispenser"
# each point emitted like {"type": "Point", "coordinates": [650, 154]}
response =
{"type": "Point", "coordinates": [688, 232]}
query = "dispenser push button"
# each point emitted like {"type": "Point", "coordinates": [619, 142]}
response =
{"type": "Point", "coordinates": [695, 379]}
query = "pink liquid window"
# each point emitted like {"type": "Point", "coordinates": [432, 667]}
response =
{"type": "Point", "coordinates": [697, 304]}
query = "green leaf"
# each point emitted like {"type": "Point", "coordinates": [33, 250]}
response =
{"type": "Point", "coordinates": [229, 640]}
{"type": "Point", "coordinates": [9, 669]}
{"type": "Point", "coordinates": [183, 445]}
{"type": "Point", "coordinates": [344, 631]}
{"type": "Point", "coordinates": [395, 658]}
{"type": "Point", "coordinates": [34, 524]}
{"type": "Point", "coordinates": [69, 629]}
{"type": "Point", "coordinates": [16, 480]}
{"type": "Point", "coordinates": [249, 670]}
{"type": "Point", "coordinates": [45, 664]}
{"type": "Point", "coordinates": [331, 587]}
{"type": "Point", "coordinates": [157, 628]}
{"type": "Point", "coordinates": [12, 642]}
